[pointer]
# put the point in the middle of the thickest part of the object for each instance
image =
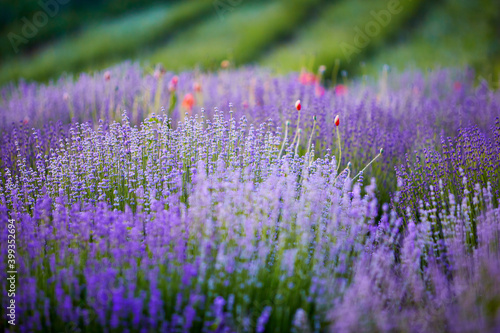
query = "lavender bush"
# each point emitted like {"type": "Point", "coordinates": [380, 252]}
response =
{"type": "Point", "coordinates": [400, 112]}
{"type": "Point", "coordinates": [439, 271]}
{"type": "Point", "coordinates": [202, 227]}
{"type": "Point", "coordinates": [194, 220]}
{"type": "Point", "coordinates": [430, 284]}
{"type": "Point", "coordinates": [441, 180]}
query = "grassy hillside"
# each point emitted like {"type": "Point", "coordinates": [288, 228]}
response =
{"type": "Point", "coordinates": [333, 35]}
{"type": "Point", "coordinates": [240, 36]}
{"type": "Point", "coordinates": [66, 17]}
{"type": "Point", "coordinates": [107, 42]}
{"type": "Point", "coordinates": [454, 33]}
{"type": "Point", "coordinates": [281, 34]}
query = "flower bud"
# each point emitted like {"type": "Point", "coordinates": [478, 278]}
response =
{"type": "Point", "coordinates": [337, 120]}
{"type": "Point", "coordinates": [172, 85]}
{"type": "Point", "coordinates": [298, 106]}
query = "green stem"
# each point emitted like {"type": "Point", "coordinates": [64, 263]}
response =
{"type": "Point", "coordinates": [340, 149]}
{"type": "Point", "coordinates": [284, 140]}
{"type": "Point", "coordinates": [295, 136]}
{"type": "Point", "coordinates": [298, 141]}
{"type": "Point", "coordinates": [310, 138]}
{"type": "Point", "coordinates": [359, 173]}
{"type": "Point", "coordinates": [346, 169]}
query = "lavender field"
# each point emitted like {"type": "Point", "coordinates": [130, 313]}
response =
{"type": "Point", "coordinates": [240, 200]}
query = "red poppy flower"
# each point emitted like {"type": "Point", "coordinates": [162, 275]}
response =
{"type": "Point", "coordinates": [340, 90]}
{"type": "Point", "coordinates": [188, 101]}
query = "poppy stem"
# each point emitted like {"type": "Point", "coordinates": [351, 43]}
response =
{"type": "Point", "coordinates": [346, 169]}
{"type": "Point", "coordinates": [310, 138]}
{"type": "Point", "coordinates": [284, 140]}
{"type": "Point", "coordinates": [340, 148]}
{"type": "Point", "coordinates": [296, 132]}
{"type": "Point", "coordinates": [378, 155]}
{"type": "Point", "coordinates": [298, 141]}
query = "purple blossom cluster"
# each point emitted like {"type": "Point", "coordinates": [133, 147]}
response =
{"type": "Point", "coordinates": [205, 221]}
{"type": "Point", "coordinates": [441, 178]}
{"type": "Point", "coordinates": [427, 277]}
{"type": "Point", "coordinates": [400, 112]}
{"type": "Point", "coordinates": [203, 228]}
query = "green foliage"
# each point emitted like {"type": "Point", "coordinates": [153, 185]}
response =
{"type": "Point", "coordinates": [239, 33]}
{"type": "Point", "coordinates": [454, 33]}
{"type": "Point", "coordinates": [69, 17]}
{"type": "Point", "coordinates": [101, 45]}
{"type": "Point", "coordinates": [281, 34]}
{"type": "Point", "coordinates": [333, 35]}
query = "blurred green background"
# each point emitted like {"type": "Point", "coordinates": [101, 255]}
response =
{"type": "Point", "coordinates": [43, 39]}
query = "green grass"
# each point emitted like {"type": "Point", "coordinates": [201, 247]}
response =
{"type": "Point", "coordinates": [240, 35]}
{"type": "Point", "coordinates": [68, 18]}
{"type": "Point", "coordinates": [103, 44]}
{"type": "Point", "coordinates": [320, 43]}
{"type": "Point", "coordinates": [455, 33]}
{"type": "Point", "coordinates": [281, 34]}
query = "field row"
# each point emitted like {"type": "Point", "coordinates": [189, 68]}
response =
{"type": "Point", "coordinates": [357, 36]}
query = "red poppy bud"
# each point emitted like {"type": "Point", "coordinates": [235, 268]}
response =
{"type": "Point", "coordinates": [337, 120]}
{"type": "Point", "coordinates": [298, 106]}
